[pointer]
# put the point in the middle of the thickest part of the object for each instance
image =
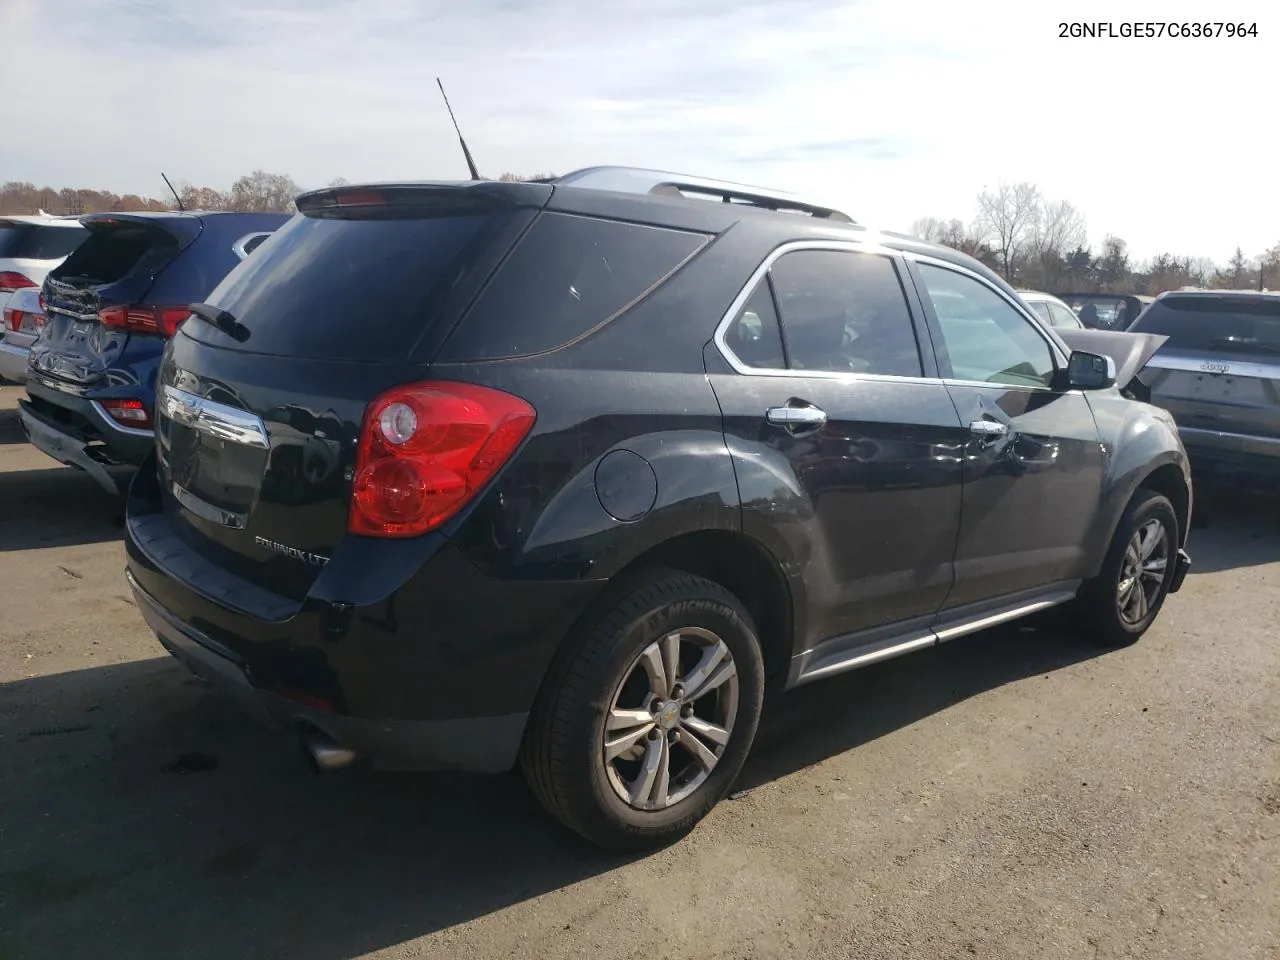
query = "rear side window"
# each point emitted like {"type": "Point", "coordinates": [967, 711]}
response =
{"type": "Point", "coordinates": [844, 312]}
{"type": "Point", "coordinates": [111, 253]}
{"type": "Point", "coordinates": [31, 241]}
{"type": "Point", "coordinates": [337, 288]}
{"type": "Point", "coordinates": [1062, 317]}
{"type": "Point", "coordinates": [1041, 310]}
{"type": "Point", "coordinates": [568, 276]}
{"type": "Point", "coordinates": [1248, 326]}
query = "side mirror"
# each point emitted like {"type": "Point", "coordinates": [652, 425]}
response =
{"type": "Point", "coordinates": [1089, 371]}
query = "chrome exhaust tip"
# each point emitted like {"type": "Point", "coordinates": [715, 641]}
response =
{"type": "Point", "coordinates": [324, 754]}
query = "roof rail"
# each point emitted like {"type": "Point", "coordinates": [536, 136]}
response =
{"type": "Point", "coordinates": [662, 183]}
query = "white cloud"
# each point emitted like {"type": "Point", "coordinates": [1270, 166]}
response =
{"type": "Point", "coordinates": [900, 109]}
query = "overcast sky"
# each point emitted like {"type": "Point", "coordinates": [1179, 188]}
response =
{"type": "Point", "coordinates": [898, 109]}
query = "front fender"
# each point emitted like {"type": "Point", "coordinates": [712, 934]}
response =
{"type": "Point", "coordinates": [1138, 439]}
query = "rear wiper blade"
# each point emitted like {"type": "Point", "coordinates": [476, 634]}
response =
{"type": "Point", "coordinates": [221, 319]}
{"type": "Point", "coordinates": [1246, 343]}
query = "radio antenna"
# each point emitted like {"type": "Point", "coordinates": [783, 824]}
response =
{"type": "Point", "coordinates": [173, 191]}
{"type": "Point", "coordinates": [471, 164]}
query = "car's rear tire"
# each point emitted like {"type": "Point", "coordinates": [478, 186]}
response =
{"type": "Point", "coordinates": [1118, 605]}
{"type": "Point", "coordinates": [621, 754]}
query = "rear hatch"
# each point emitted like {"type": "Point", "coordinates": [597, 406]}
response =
{"type": "Point", "coordinates": [259, 415]}
{"type": "Point", "coordinates": [1220, 368]}
{"type": "Point", "coordinates": [88, 320]}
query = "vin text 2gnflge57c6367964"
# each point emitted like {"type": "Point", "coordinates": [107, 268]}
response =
{"type": "Point", "coordinates": [592, 461]}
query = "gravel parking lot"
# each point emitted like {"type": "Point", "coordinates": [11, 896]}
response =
{"type": "Point", "coordinates": [1014, 794]}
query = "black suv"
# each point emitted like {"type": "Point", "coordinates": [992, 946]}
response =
{"type": "Point", "coordinates": [470, 474]}
{"type": "Point", "coordinates": [110, 306]}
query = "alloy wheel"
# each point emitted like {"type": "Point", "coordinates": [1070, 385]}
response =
{"type": "Point", "coordinates": [670, 719]}
{"type": "Point", "coordinates": [1142, 572]}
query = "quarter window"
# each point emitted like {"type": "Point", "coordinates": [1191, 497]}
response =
{"type": "Point", "coordinates": [987, 339]}
{"type": "Point", "coordinates": [753, 336]}
{"type": "Point", "coordinates": [844, 312]}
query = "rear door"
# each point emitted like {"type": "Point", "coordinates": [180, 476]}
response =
{"type": "Point", "coordinates": [114, 267]}
{"type": "Point", "coordinates": [1033, 460]}
{"type": "Point", "coordinates": [832, 383]}
{"type": "Point", "coordinates": [1219, 371]}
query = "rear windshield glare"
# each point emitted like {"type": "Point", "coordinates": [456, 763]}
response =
{"type": "Point", "coordinates": [111, 253]}
{"type": "Point", "coordinates": [358, 289]}
{"type": "Point", "coordinates": [1216, 325]}
{"type": "Point", "coordinates": [568, 276]}
{"type": "Point", "coordinates": [32, 241]}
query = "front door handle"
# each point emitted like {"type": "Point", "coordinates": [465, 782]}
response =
{"type": "Point", "coordinates": [988, 428]}
{"type": "Point", "coordinates": [801, 417]}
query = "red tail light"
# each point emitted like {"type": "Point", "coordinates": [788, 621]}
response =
{"type": "Point", "coordinates": [426, 449]}
{"type": "Point", "coordinates": [162, 320]}
{"type": "Point", "coordinates": [11, 280]}
{"type": "Point", "coordinates": [13, 318]}
{"type": "Point", "coordinates": [130, 413]}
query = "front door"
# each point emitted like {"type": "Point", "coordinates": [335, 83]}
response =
{"type": "Point", "coordinates": [841, 438]}
{"type": "Point", "coordinates": [1033, 466]}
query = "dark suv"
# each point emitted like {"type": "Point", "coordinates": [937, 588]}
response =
{"type": "Point", "coordinates": [1218, 373]}
{"type": "Point", "coordinates": [110, 306]}
{"type": "Point", "coordinates": [465, 475]}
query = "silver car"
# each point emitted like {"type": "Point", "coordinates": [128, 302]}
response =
{"type": "Point", "coordinates": [1218, 373]}
{"type": "Point", "coordinates": [23, 321]}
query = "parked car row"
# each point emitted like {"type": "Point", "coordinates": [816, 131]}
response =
{"type": "Point", "coordinates": [563, 474]}
{"type": "Point", "coordinates": [109, 309]}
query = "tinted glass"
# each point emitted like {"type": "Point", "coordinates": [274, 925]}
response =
{"type": "Point", "coordinates": [844, 312]}
{"type": "Point", "coordinates": [254, 243]}
{"type": "Point", "coordinates": [986, 338]}
{"type": "Point", "coordinates": [358, 289]}
{"type": "Point", "coordinates": [569, 275]}
{"type": "Point", "coordinates": [1101, 312]}
{"type": "Point", "coordinates": [1062, 317]}
{"type": "Point", "coordinates": [110, 253]}
{"type": "Point", "coordinates": [1245, 326]}
{"type": "Point", "coordinates": [37, 242]}
{"type": "Point", "coordinates": [753, 336]}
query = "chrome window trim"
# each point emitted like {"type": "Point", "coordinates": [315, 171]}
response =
{"type": "Point", "coordinates": [216, 419]}
{"type": "Point", "coordinates": [238, 248]}
{"type": "Point", "coordinates": [119, 427]}
{"type": "Point", "coordinates": [740, 301]}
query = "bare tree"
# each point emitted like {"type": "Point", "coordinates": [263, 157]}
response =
{"type": "Point", "coordinates": [1058, 229]}
{"type": "Point", "coordinates": [203, 198]}
{"type": "Point", "coordinates": [1006, 219]}
{"type": "Point", "coordinates": [262, 192]}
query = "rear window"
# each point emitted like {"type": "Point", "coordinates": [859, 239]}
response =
{"type": "Point", "coordinates": [569, 276]}
{"type": "Point", "coordinates": [346, 289]}
{"type": "Point", "coordinates": [1102, 312]}
{"type": "Point", "coordinates": [33, 241]}
{"type": "Point", "coordinates": [1242, 326]}
{"type": "Point", "coordinates": [111, 253]}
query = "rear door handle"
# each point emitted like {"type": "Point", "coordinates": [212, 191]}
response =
{"type": "Point", "coordinates": [988, 428]}
{"type": "Point", "coordinates": [797, 417]}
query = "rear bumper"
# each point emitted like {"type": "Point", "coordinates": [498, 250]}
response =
{"type": "Point", "coordinates": [401, 651]}
{"type": "Point", "coordinates": [83, 417]}
{"type": "Point", "coordinates": [1222, 455]}
{"type": "Point", "coordinates": [13, 362]}
{"type": "Point", "coordinates": [480, 744]}
{"type": "Point", "coordinates": [53, 440]}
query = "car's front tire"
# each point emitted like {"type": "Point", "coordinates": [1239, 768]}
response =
{"type": "Point", "coordinates": [1118, 605]}
{"type": "Point", "coordinates": [648, 716]}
